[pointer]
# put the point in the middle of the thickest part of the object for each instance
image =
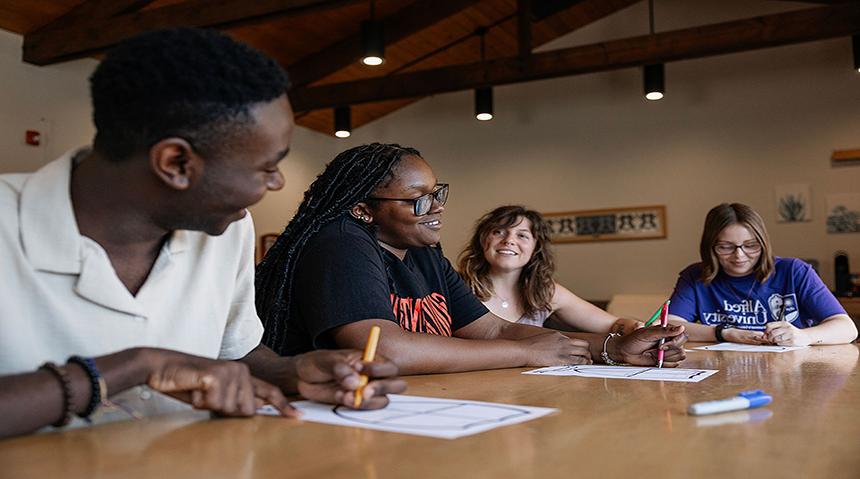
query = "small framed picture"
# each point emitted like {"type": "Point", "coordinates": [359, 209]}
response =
{"type": "Point", "coordinates": [613, 224]}
{"type": "Point", "coordinates": [266, 242]}
{"type": "Point", "coordinates": [793, 203]}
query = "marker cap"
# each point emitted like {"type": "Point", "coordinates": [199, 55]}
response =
{"type": "Point", "coordinates": [757, 398]}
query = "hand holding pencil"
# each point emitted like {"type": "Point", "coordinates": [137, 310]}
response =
{"type": "Point", "coordinates": [335, 376]}
{"type": "Point", "coordinates": [369, 355]}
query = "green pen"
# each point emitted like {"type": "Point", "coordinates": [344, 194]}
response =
{"type": "Point", "coordinates": [656, 314]}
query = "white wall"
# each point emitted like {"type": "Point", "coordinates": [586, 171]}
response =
{"type": "Point", "coordinates": [53, 100]}
{"type": "Point", "coordinates": [729, 129]}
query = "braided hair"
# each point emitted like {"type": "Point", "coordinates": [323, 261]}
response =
{"type": "Point", "coordinates": [350, 178]}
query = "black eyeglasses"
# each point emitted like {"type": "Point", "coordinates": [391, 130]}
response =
{"type": "Point", "coordinates": [424, 203]}
{"type": "Point", "coordinates": [749, 248]}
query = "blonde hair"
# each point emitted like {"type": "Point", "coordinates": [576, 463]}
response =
{"type": "Point", "coordinates": [536, 285]}
{"type": "Point", "coordinates": [719, 218]}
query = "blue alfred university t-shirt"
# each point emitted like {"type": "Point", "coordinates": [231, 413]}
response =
{"type": "Point", "coordinates": [747, 304]}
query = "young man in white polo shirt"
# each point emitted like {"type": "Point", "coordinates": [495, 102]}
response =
{"type": "Point", "coordinates": [135, 257]}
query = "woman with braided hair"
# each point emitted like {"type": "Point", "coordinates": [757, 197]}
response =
{"type": "Point", "coordinates": [362, 250]}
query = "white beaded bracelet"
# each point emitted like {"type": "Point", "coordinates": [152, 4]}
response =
{"type": "Point", "coordinates": [605, 356]}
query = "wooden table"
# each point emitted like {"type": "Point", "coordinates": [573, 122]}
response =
{"type": "Point", "coordinates": [606, 428]}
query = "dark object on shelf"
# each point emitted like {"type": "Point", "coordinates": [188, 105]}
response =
{"type": "Point", "coordinates": [842, 272]}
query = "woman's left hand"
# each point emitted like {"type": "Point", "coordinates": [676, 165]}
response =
{"type": "Point", "coordinates": [783, 333]}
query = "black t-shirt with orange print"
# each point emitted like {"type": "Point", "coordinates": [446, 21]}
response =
{"type": "Point", "coordinates": [343, 277]}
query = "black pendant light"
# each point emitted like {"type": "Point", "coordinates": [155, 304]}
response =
{"type": "Point", "coordinates": [342, 122]}
{"type": "Point", "coordinates": [372, 40]}
{"type": "Point", "coordinates": [653, 81]}
{"type": "Point", "coordinates": [483, 95]}
{"type": "Point", "coordinates": [653, 76]}
{"type": "Point", "coordinates": [484, 103]}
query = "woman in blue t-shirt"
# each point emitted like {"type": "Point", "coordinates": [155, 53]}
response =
{"type": "Point", "coordinates": [741, 293]}
{"type": "Point", "coordinates": [362, 250]}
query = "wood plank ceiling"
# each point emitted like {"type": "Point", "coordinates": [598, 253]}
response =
{"type": "Point", "coordinates": [431, 45]}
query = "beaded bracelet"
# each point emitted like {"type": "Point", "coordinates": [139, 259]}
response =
{"type": "Point", "coordinates": [605, 355]}
{"type": "Point", "coordinates": [66, 386]}
{"type": "Point", "coordinates": [97, 384]}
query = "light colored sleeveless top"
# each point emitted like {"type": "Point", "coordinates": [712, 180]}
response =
{"type": "Point", "coordinates": [537, 319]}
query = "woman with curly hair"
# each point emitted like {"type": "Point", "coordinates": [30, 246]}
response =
{"type": "Point", "coordinates": [508, 264]}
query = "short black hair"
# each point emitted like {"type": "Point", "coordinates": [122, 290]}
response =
{"type": "Point", "coordinates": [184, 82]}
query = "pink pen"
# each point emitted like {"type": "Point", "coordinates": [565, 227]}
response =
{"type": "Point", "coordinates": [664, 321]}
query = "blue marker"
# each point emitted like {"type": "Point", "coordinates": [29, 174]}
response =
{"type": "Point", "coordinates": [744, 400]}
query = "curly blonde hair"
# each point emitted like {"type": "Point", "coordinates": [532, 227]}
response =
{"type": "Point", "coordinates": [536, 283]}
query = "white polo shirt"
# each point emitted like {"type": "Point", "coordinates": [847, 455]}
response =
{"type": "Point", "coordinates": [59, 293]}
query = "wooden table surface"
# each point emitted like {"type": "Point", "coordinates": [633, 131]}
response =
{"type": "Point", "coordinates": [605, 428]}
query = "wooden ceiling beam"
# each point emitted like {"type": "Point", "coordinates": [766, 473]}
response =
{"type": "Point", "coordinates": [586, 12]}
{"type": "Point", "coordinates": [824, 2]}
{"type": "Point", "coordinates": [397, 26]}
{"type": "Point", "coordinates": [93, 9]}
{"type": "Point", "coordinates": [576, 14]}
{"type": "Point", "coordinates": [524, 30]}
{"type": "Point", "coordinates": [93, 35]}
{"type": "Point", "coordinates": [697, 42]}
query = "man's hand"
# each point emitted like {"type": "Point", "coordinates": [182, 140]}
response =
{"type": "Point", "coordinates": [224, 387]}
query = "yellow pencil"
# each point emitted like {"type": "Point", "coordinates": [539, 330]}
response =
{"type": "Point", "coordinates": [369, 354]}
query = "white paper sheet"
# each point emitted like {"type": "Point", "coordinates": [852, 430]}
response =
{"type": "Point", "coordinates": [421, 416]}
{"type": "Point", "coordinates": [750, 348]}
{"type": "Point", "coordinates": [627, 372]}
